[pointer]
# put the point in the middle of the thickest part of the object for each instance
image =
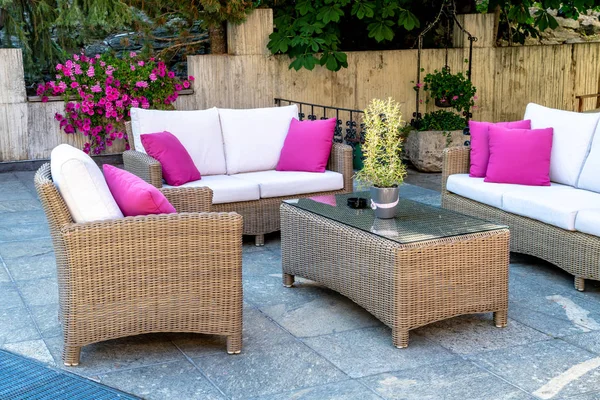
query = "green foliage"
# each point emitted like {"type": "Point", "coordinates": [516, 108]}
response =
{"type": "Point", "coordinates": [442, 120]}
{"type": "Point", "coordinates": [517, 23]}
{"type": "Point", "coordinates": [49, 30]}
{"type": "Point", "coordinates": [309, 31]}
{"type": "Point", "coordinates": [454, 89]}
{"type": "Point", "coordinates": [382, 148]}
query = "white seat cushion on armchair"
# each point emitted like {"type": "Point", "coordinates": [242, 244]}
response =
{"type": "Point", "coordinates": [82, 185]}
{"type": "Point", "coordinates": [290, 183]}
{"type": "Point", "coordinates": [199, 132]}
{"type": "Point", "coordinates": [571, 141]}
{"type": "Point", "coordinates": [253, 138]}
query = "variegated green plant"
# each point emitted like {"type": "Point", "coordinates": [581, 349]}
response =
{"type": "Point", "coordinates": [382, 149]}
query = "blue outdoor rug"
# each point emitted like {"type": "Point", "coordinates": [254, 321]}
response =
{"type": "Point", "coordinates": [21, 378]}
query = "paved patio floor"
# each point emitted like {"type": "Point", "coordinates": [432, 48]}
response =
{"type": "Point", "coordinates": [309, 342]}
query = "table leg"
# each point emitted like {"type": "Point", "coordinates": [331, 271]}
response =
{"type": "Point", "coordinates": [501, 319]}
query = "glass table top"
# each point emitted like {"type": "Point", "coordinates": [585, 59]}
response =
{"type": "Point", "coordinates": [414, 222]}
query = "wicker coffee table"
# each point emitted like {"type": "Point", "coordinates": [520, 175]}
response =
{"type": "Point", "coordinates": [425, 265]}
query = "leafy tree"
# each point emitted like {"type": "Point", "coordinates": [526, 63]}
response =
{"type": "Point", "coordinates": [48, 30]}
{"type": "Point", "coordinates": [518, 23]}
{"type": "Point", "coordinates": [318, 32]}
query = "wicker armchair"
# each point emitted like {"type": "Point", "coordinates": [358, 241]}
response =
{"type": "Point", "coordinates": [260, 216]}
{"type": "Point", "coordinates": [157, 273]}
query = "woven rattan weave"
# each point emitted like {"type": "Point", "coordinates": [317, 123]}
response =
{"type": "Point", "coordinates": [405, 277]}
{"type": "Point", "coordinates": [260, 216]}
{"type": "Point", "coordinates": [157, 273]}
{"type": "Point", "coordinates": [575, 252]}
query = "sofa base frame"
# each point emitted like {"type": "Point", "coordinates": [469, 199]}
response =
{"type": "Point", "coordinates": [575, 252]}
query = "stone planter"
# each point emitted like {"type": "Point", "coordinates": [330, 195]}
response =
{"type": "Point", "coordinates": [425, 150]}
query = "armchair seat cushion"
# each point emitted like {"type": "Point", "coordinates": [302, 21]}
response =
{"type": "Point", "coordinates": [226, 189]}
{"type": "Point", "coordinates": [289, 183]}
{"type": "Point", "coordinates": [556, 205]}
{"type": "Point", "coordinates": [588, 221]}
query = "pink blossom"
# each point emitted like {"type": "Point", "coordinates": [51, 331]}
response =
{"type": "Point", "coordinates": [44, 99]}
{"type": "Point", "coordinates": [475, 97]}
{"type": "Point", "coordinates": [97, 56]}
{"type": "Point", "coordinates": [134, 103]}
{"type": "Point", "coordinates": [102, 64]}
{"type": "Point", "coordinates": [132, 67]}
{"type": "Point", "coordinates": [59, 67]}
{"type": "Point", "coordinates": [75, 57]}
{"type": "Point", "coordinates": [141, 84]}
{"type": "Point", "coordinates": [171, 74]}
{"type": "Point", "coordinates": [78, 70]}
{"type": "Point", "coordinates": [419, 85]}
{"type": "Point", "coordinates": [186, 84]}
{"type": "Point", "coordinates": [153, 77]}
{"type": "Point", "coordinates": [141, 63]}
{"type": "Point", "coordinates": [454, 97]}
{"type": "Point", "coordinates": [91, 72]}
{"type": "Point", "coordinates": [178, 87]}
{"type": "Point", "coordinates": [132, 54]}
{"type": "Point", "coordinates": [62, 86]}
{"type": "Point", "coordinates": [96, 88]}
{"type": "Point", "coordinates": [475, 107]}
{"type": "Point", "coordinates": [191, 78]}
{"type": "Point", "coordinates": [58, 117]}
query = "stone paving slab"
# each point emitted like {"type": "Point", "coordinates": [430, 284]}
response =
{"type": "Point", "coordinates": [345, 390]}
{"type": "Point", "coordinates": [370, 351]}
{"type": "Point", "coordinates": [546, 369]}
{"type": "Point", "coordinates": [457, 380]}
{"type": "Point", "coordinates": [282, 367]}
{"type": "Point", "coordinates": [165, 381]}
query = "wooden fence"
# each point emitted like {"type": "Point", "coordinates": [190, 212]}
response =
{"type": "Point", "coordinates": [506, 80]}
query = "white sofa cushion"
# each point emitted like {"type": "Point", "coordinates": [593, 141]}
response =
{"type": "Point", "coordinates": [290, 183]}
{"type": "Point", "coordinates": [571, 141]}
{"type": "Point", "coordinates": [253, 138]}
{"type": "Point", "coordinates": [588, 221]}
{"type": "Point", "coordinates": [590, 174]}
{"type": "Point", "coordinates": [555, 205]}
{"type": "Point", "coordinates": [478, 190]}
{"type": "Point", "coordinates": [82, 185]}
{"type": "Point", "coordinates": [227, 189]}
{"type": "Point", "coordinates": [198, 131]}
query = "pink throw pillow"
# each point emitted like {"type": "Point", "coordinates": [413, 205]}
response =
{"type": "Point", "coordinates": [133, 195]}
{"type": "Point", "coordinates": [480, 153]}
{"type": "Point", "coordinates": [307, 146]}
{"type": "Point", "coordinates": [520, 156]}
{"type": "Point", "coordinates": [177, 165]}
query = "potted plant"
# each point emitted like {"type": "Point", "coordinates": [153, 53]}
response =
{"type": "Point", "coordinates": [383, 169]}
{"type": "Point", "coordinates": [449, 90]}
{"type": "Point", "coordinates": [437, 130]}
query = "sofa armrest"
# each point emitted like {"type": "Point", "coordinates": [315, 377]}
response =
{"type": "Point", "coordinates": [456, 161]}
{"type": "Point", "coordinates": [340, 160]}
{"type": "Point", "coordinates": [144, 166]}
{"type": "Point", "coordinates": [189, 199]}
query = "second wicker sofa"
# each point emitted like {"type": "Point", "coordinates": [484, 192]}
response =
{"type": "Point", "coordinates": [250, 140]}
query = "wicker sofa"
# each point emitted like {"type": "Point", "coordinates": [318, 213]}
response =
{"type": "Point", "coordinates": [161, 273]}
{"type": "Point", "coordinates": [558, 223]}
{"type": "Point", "coordinates": [260, 213]}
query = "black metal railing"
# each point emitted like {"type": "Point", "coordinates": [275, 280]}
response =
{"type": "Point", "coordinates": [349, 128]}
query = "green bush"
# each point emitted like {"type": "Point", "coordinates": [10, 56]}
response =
{"type": "Point", "coordinates": [442, 120]}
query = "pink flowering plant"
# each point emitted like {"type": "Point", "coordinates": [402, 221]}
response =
{"type": "Point", "coordinates": [449, 90]}
{"type": "Point", "coordinates": [99, 92]}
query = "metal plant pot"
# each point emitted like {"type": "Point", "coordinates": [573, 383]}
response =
{"type": "Point", "coordinates": [384, 201]}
